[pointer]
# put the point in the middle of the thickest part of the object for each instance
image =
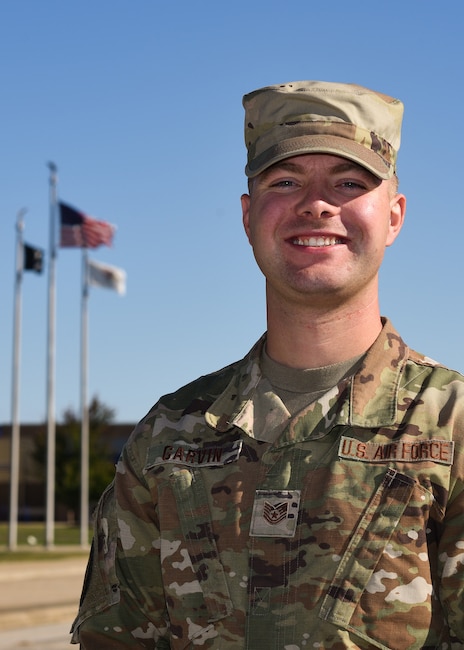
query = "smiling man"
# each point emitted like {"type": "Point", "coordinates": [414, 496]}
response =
{"type": "Point", "coordinates": [310, 495]}
{"type": "Point", "coordinates": [319, 227]}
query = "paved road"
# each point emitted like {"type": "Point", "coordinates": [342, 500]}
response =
{"type": "Point", "coordinates": [42, 637]}
{"type": "Point", "coordinates": [38, 602]}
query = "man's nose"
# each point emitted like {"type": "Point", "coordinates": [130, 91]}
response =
{"type": "Point", "coordinates": [315, 203]}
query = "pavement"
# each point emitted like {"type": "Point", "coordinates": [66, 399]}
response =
{"type": "Point", "coordinates": [39, 600]}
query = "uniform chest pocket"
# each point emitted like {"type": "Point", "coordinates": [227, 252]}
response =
{"type": "Point", "coordinates": [195, 524]}
{"type": "Point", "coordinates": [382, 589]}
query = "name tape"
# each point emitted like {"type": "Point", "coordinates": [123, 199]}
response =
{"type": "Point", "coordinates": [184, 453]}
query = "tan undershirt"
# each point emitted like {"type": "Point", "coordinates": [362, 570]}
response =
{"type": "Point", "coordinates": [284, 391]}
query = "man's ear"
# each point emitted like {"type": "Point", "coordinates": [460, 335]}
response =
{"type": "Point", "coordinates": [245, 200]}
{"type": "Point", "coordinates": [397, 215]}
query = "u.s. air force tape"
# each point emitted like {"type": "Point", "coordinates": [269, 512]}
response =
{"type": "Point", "coordinates": [187, 454]}
{"type": "Point", "coordinates": [407, 451]}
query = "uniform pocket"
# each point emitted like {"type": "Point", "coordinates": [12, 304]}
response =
{"type": "Point", "coordinates": [197, 531]}
{"type": "Point", "coordinates": [194, 581]}
{"type": "Point", "coordinates": [382, 589]}
{"type": "Point", "coordinates": [101, 586]}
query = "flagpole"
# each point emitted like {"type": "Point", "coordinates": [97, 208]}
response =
{"type": "Point", "coordinates": [15, 431]}
{"type": "Point", "coordinates": [51, 425]}
{"type": "Point", "coordinates": [84, 404]}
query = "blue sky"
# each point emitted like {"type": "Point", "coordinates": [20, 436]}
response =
{"type": "Point", "coordinates": [138, 103]}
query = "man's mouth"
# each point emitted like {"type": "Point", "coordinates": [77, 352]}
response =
{"type": "Point", "coordinates": [316, 241]}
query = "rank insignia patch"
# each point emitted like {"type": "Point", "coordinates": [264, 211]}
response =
{"type": "Point", "coordinates": [275, 513]}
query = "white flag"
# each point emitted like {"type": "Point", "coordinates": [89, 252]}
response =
{"type": "Point", "coordinates": [109, 277]}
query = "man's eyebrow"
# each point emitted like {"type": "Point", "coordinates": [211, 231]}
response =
{"type": "Point", "coordinates": [349, 166]}
{"type": "Point", "coordinates": [282, 166]}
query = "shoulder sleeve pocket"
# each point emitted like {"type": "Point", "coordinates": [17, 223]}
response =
{"type": "Point", "coordinates": [101, 586]}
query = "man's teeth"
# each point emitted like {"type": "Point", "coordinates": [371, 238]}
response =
{"type": "Point", "coordinates": [317, 241]}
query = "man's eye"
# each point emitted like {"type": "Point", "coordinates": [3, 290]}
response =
{"type": "Point", "coordinates": [283, 183]}
{"type": "Point", "coordinates": [353, 185]}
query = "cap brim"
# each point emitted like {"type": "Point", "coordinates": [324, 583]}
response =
{"type": "Point", "coordinates": [329, 144]}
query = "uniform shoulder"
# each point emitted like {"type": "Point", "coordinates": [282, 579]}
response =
{"type": "Point", "coordinates": [433, 372]}
{"type": "Point", "coordinates": [204, 389]}
{"type": "Point", "coordinates": [194, 398]}
{"type": "Point", "coordinates": [190, 402]}
{"type": "Point", "coordinates": [426, 361]}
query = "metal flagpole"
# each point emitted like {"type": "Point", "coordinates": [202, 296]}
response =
{"type": "Point", "coordinates": [84, 404]}
{"type": "Point", "coordinates": [15, 433]}
{"type": "Point", "coordinates": [51, 425]}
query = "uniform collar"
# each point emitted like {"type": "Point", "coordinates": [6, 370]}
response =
{"type": "Point", "coordinates": [368, 399]}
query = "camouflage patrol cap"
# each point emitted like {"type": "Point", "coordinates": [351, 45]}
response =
{"type": "Point", "coordinates": [322, 117]}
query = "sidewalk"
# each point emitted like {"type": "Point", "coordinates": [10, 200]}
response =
{"type": "Point", "coordinates": [40, 592]}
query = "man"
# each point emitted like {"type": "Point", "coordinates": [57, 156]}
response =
{"type": "Point", "coordinates": [310, 495]}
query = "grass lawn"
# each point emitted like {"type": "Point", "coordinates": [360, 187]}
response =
{"type": "Point", "coordinates": [31, 540]}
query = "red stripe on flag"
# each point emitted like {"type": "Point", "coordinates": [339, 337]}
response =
{"type": "Point", "coordinates": [96, 233]}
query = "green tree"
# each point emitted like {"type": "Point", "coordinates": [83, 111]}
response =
{"type": "Point", "coordinates": [68, 456]}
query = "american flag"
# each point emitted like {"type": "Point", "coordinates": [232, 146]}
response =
{"type": "Point", "coordinates": [79, 230]}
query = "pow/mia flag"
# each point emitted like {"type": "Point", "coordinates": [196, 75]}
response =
{"type": "Point", "coordinates": [33, 259]}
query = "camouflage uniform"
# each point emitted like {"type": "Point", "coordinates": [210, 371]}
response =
{"type": "Point", "coordinates": [346, 532]}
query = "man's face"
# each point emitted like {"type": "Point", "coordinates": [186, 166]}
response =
{"type": "Point", "coordinates": [319, 225]}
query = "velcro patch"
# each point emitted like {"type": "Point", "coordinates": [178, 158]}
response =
{"type": "Point", "coordinates": [407, 451]}
{"type": "Point", "coordinates": [190, 455]}
{"type": "Point", "coordinates": [275, 513]}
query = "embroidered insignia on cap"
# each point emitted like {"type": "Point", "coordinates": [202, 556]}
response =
{"type": "Point", "coordinates": [275, 513]}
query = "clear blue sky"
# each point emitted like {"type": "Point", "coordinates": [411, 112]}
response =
{"type": "Point", "coordinates": [138, 103]}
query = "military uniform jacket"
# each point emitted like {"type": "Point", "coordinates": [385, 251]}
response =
{"type": "Point", "coordinates": [346, 532]}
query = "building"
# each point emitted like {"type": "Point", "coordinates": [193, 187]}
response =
{"type": "Point", "coordinates": [32, 486]}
